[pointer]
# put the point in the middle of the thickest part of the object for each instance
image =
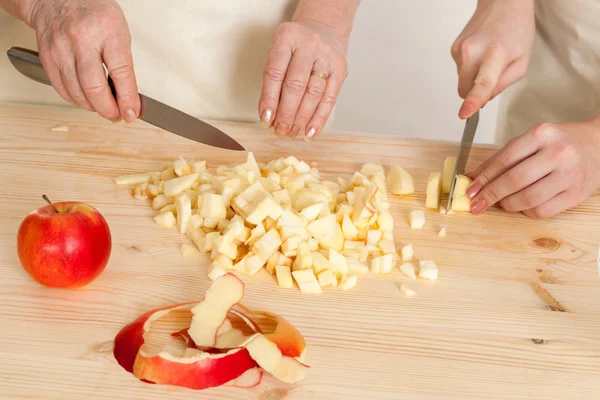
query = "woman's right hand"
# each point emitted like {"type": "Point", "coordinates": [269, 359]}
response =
{"type": "Point", "coordinates": [75, 39]}
{"type": "Point", "coordinates": [493, 51]}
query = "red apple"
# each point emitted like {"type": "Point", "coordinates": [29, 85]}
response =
{"type": "Point", "coordinates": [64, 245]}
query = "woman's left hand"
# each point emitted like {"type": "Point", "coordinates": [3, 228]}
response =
{"type": "Point", "coordinates": [305, 70]}
{"type": "Point", "coordinates": [548, 169]}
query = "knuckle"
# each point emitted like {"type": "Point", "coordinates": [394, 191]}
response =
{"type": "Point", "coordinates": [484, 82]}
{"type": "Point", "coordinates": [491, 194]}
{"type": "Point", "coordinates": [121, 72]}
{"type": "Point", "coordinates": [516, 178]}
{"type": "Point", "coordinates": [467, 47]}
{"type": "Point", "coordinates": [565, 151]}
{"type": "Point", "coordinates": [294, 85]}
{"type": "Point", "coordinates": [496, 49]}
{"type": "Point", "coordinates": [274, 74]}
{"type": "Point", "coordinates": [532, 199]}
{"type": "Point", "coordinates": [285, 115]}
{"type": "Point", "coordinates": [544, 132]}
{"type": "Point", "coordinates": [538, 213]}
{"type": "Point", "coordinates": [329, 99]}
{"type": "Point", "coordinates": [504, 159]}
{"type": "Point", "coordinates": [95, 90]}
{"type": "Point", "coordinates": [314, 90]}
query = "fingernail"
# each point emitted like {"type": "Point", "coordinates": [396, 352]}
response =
{"type": "Point", "coordinates": [266, 117]}
{"type": "Point", "coordinates": [474, 189]}
{"type": "Point", "coordinates": [478, 206]}
{"type": "Point", "coordinates": [282, 129]}
{"type": "Point", "coordinates": [116, 121]}
{"type": "Point", "coordinates": [311, 133]}
{"type": "Point", "coordinates": [130, 116]}
{"type": "Point", "coordinates": [295, 131]}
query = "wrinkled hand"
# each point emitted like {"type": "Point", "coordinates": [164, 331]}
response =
{"type": "Point", "coordinates": [493, 51]}
{"type": "Point", "coordinates": [74, 39]}
{"type": "Point", "coordinates": [293, 101]}
{"type": "Point", "coordinates": [548, 169]}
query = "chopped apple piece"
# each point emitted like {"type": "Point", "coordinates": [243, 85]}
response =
{"type": "Point", "coordinates": [254, 263]}
{"type": "Point", "coordinates": [339, 265]}
{"type": "Point", "coordinates": [373, 238]}
{"type": "Point", "coordinates": [198, 166]}
{"type": "Point", "coordinates": [461, 186]}
{"type": "Point", "coordinates": [188, 251]}
{"type": "Point", "coordinates": [312, 212]}
{"type": "Point", "coordinates": [208, 242]}
{"type": "Point", "coordinates": [407, 252]}
{"type": "Point", "coordinates": [385, 221]}
{"type": "Point", "coordinates": [307, 281]}
{"type": "Point", "coordinates": [303, 258]}
{"type": "Point", "coordinates": [353, 245]}
{"type": "Point", "coordinates": [210, 314]}
{"type": "Point", "coordinates": [308, 197]}
{"type": "Point", "coordinates": [196, 221]}
{"type": "Point", "coordinates": [328, 232]}
{"type": "Point", "coordinates": [193, 233]}
{"type": "Point", "coordinates": [161, 201]}
{"type": "Point", "coordinates": [212, 207]}
{"type": "Point", "coordinates": [289, 246]}
{"type": "Point", "coordinates": [284, 276]}
{"type": "Point", "coordinates": [462, 203]}
{"type": "Point", "coordinates": [449, 165]}
{"type": "Point", "coordinates": [267, 245]}
{"type": "Point", "coordinates": [355, 267]}
{"type": "Point", "coordinates": [181, 167]}
{"type": "Point", "coordinates": [434, 186]}
{"type": "Point", "coordinates": [320, 262]}
{"type": "Point", "coordinates": [416, 219]}
{"type": "Point", "coordinates": [348, 228]}
{"type": "Point", "coordinates": [343, 209]}
{"type": "Point", "coordinates": [255, 234]}
{"type": "Point", "coordinates": [399, 181]}
{"type": "Point", "coordinates": [408, 292]}
{"type": "Point", "coordinates": [283, 196]}
{"type": "Point", "coordinates": [442, 232]}
{"type": "Point", "coordinates": [173, 187]}
{"type": "Point", "coordinates": [383, 264]}
{"type": "Point", "coordinates": [183, 205]}
{"type": "Point", "coordinates": [348, 283]}
{"type": "Point", "coordinates": [292, 225]}
{"type": "Point", "coordinates": [428, 270]}
{"type": "Point", "coordinates": [387, 246]}
{"type": "Point", "coordinates": [326, 278]}
{"type": "Point", "coordinates": [132, 179]}
{"type": "Point", "coordinates": [268, 356]}
{"type": "Point", "coordinates": [409, 270]}
{"type": "Point", "coordinates": [166, 219]}
{"type": "Point", "coordinates": [216, 271]}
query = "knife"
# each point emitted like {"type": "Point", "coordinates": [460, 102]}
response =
{"type": "Point", "coordinates": [28, 63]}
{"type": "Point", "coordinates": [463, 153]}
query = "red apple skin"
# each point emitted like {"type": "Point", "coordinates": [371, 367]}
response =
{"type": "Point", "coordinates": [68, 249]}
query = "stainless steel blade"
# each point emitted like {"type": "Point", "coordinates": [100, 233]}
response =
{"type": "Point", "coordinates": [463, 153]}
{"type": "Point", "coordinates": [28, 63]}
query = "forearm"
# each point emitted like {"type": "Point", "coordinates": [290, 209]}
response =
{"type": "Point", "coordinates": [20, 9]}
{"type": "Point", "coordinates": [337, 15]}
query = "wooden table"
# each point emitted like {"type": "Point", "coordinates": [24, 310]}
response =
{"type": "Point", "coordinates": [515, 313]}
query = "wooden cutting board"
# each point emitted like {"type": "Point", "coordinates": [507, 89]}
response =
{"type": "Point", "coordinates": [515, 313]}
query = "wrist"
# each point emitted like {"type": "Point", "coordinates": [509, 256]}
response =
{"type": "Point", "coordinates": [332, 16]}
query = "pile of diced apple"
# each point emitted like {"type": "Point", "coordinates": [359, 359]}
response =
{"type": "Point", "coordinates": [281, 217]}
{"type": "Point", "coordinates": [440, 183]}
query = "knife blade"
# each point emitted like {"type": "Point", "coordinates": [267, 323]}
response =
{"type": "Point", "coordinates": [28, 63]}
{"type": "Point", "coordinates": [463, 153]}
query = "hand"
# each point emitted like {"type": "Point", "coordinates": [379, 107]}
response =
{"type": "Point", "coordinates": [548, 169]}
{"type": "Point", "coordinates": [493, 51]}
{"type": "Point", "coordinates": [292, 100]}
{"type": "Point", "coordinates": [74, 39]}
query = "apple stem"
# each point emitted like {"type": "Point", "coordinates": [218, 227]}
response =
{"type": "Point", "coordinates": [49, 202]}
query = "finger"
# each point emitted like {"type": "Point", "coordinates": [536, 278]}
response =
{"type": "Point", "coordinates": [535, 195]}
{"type": "Point", "coordinates": [312, 96]}
{"type": "Point", "coordinates": [119, 63]}
{"type": "Point", "coordinates": [513, 73]}
{"type": "Point", "coordinates": [276, 67]}
{"type": "Point", "coordinates": [68, 73]}
{"type": "Point", "coordinates": [559, 203]}
{"type": "Point", "coordinates": [95, 85]}
{"type": "Point", "coordinates": [515, 151]}
{"type": "Point", "coordinates": [323, 111]}
{"type": "Point", "coordinates": [493, 65]}
{"type": "Point", "coordinates": [473, 174]}
{"type": "Point", "coordinates": [514, 180]}
{"type": "Point", "coordinates": [294, 86]}
{"type": "Point", "coordinates": [54, 75]}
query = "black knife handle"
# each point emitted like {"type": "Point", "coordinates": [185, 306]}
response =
{"type": "Point", "coordinates": [111, 85]}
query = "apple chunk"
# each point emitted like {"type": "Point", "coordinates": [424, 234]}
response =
{"type": "Point", "coordinates": [269, 357]}
{"type": "Point", "coordinates": [211, 313]}
{"type": "Point", "coordinates": [434, 189]}
{"type": "Point", "coordinates": [328, 232]}
{"type": "Point", "coordinates": [399, 181]}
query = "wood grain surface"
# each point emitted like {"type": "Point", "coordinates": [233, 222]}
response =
{"type": "Point", "coordinates": [515, 313]}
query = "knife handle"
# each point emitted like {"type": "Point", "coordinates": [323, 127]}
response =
{"type": "Point", "coordinates": [111, 85]}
